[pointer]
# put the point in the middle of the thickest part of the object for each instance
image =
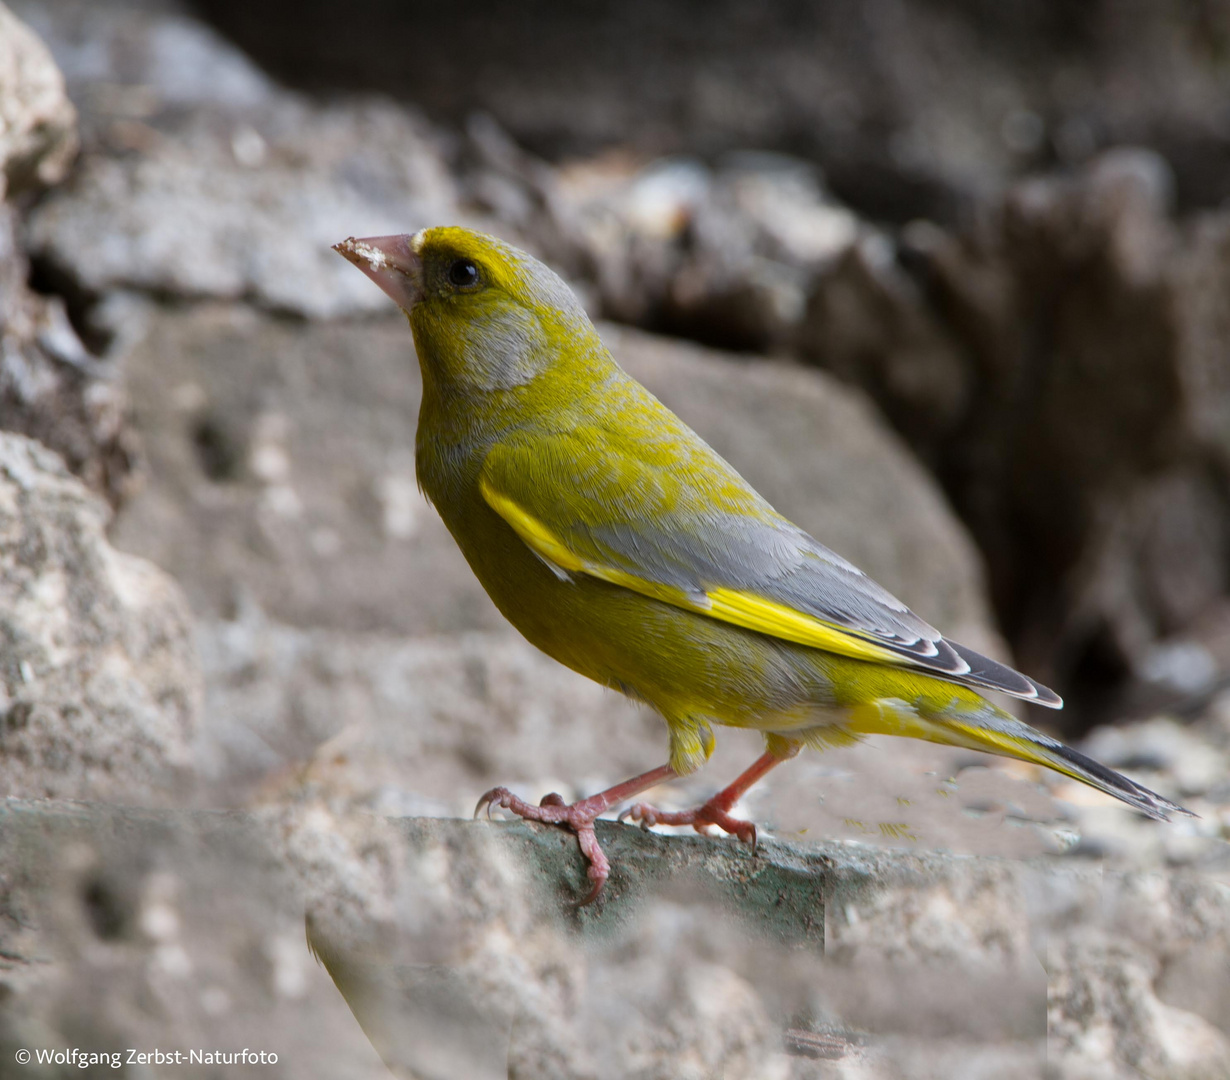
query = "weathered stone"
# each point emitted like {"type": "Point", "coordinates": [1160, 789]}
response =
{"type": "Point", "coordinates": [99, 685]}
{"type": "Point", "coordinates": [53, 389]}
{"type": "Point", "coordinates": [215, 183]}
{"type": "Point", "coordinates": [867, 322]}
{"type": "Point", "coordinates": [458, 948]}
{"type": "Point", "coordinates": [720, 255]}
{"type": "Point", "coordinates": [130, 61]}
{"type": "Point", "coordinates": [126, 929]}
{"type": "Point", "coordinates": [1105, 1019]}
{"type": "Point", "coordinates": [248, 207]}
{"type": "Point", "coordinates": [419, 725]}
{"type": "Point", "coordinates": [38, 125]}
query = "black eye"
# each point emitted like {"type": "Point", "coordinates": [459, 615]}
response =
{"type": "Point", "coordinates": [462, 273]}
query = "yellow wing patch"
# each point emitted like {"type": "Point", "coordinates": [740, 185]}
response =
{"type": "Point", "coordinates": [734, 606]}
{"type": "Point", "coordinates": [541, 540]}
{"type": "Point", "coordinates": [782, 621]}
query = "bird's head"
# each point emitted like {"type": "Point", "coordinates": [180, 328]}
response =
{"type": "Point", "coordinates": [485, 316]}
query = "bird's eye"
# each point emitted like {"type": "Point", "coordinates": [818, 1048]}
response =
{"type": "Point", "coordinates": [462, 273]}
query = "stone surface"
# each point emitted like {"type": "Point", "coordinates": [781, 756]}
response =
{"type": "Point", "coordinates": [215, 182]}
{"type": "Point", "coordinates": [720, 254]}
{"type": "Point", "coordinates": [248, 208]}
{"type": "Point", "coordinates": [458, 948]}
{"type": "Point", "coordinates": [52, 388]}
{"type": "Point", "coordinates": [99, 684]}
{"type": "Point", "coordinates": [124, 929]}
{"type": "Point", "coordinates": [38, 130]}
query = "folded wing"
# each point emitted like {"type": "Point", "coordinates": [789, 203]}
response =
{"type": "Point", "coordinates": [668, 518]}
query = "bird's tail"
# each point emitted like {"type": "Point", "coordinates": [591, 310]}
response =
{"type": "Point", "coordinates": [994, 731]}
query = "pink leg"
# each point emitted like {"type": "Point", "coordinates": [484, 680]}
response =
{"type": "Point", "coordinates": [716, 811]}
{"type": "Point", "coordinates": [579, 816]}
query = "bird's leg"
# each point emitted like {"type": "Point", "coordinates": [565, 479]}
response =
{"type": "Point", "coordinates": [717, 810]}
{"type": "Point", "coordinates": [578, 816]}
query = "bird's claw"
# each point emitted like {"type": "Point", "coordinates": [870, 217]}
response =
{"type": "Point", "coordinates": [700, 818]}
{"type": "Point", "coordinates": [641, 813]}
{"type": "Point", "coordinates": [552, 810]}
{"type": "Point", "coordinates": [499, 796]}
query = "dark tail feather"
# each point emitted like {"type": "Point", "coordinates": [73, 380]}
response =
{"type": "Point", "coordinates": [994, 731]}
{"type": "Point", "coordinates": [1116, 784]}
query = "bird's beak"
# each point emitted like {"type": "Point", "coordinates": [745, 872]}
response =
{"type": "Point", "coordinates": [392, 262]}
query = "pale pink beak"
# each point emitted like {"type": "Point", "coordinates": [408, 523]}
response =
{"type": "Point", "coordinates": [392, 262]}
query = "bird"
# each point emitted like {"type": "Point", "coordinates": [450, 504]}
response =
{"type": "Point", "coordinates": [617, 541]}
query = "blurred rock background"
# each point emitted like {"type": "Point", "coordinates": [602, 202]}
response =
{"type": "Point", "coordinates": [948, 281]}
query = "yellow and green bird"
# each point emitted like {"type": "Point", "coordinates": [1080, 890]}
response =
{"type": "Point", "coordinates": [617, 541]}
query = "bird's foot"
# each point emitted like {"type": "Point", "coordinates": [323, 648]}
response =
{"type": "Point", "coordinates": [578, 816]}
{"type": "Point", "coordinates": [715, 812]}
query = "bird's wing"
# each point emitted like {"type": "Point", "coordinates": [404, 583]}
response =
{"type": "Point", "coordinates": [666, 517]}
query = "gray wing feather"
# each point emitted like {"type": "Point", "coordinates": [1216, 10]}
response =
{"type": "Point", "coordinates": [781, 562]}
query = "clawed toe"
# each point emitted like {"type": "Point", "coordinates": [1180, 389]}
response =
{"type": "Point", "coordinates": [700, 818]}
{"type": "Point", "coordinates": [643, 814]}
{"type": "Point", "coordinates": [552, 810]}
{"type": "Point", "coordinates": [499, 796]}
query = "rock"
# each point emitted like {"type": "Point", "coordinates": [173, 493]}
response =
{"type": "Point", "coordinates": [53, 389]}
{"type": "Point", "coordinates": [248, 208]}
{"type": "Point", "coordinates": [460, 929]}
{"type": "Point", "coordinates": [38, 129]}
{"type": "Point", "coordinates": [867, 322]}
{"type": "Point", "coordinates": [99, 684]}
{"type": "Point", "coordinates": [127, 929]}
{"type": "Point", "coordinates": [742, 247]}
{"type": "Point", "coordinates": [458, 948]}
{"type": "Point", "coordinates": [282, 465]}
{"type": "Point", "coordinates": [419, 725]}
{"type": "Point", "coordinates": [1105, 1019]}
{"type": "Point", "coordinates": [721, 255]}
{"type": "Point", "coordinates": [214, 182]}
{"type": "Point", "coordinates": [1110, 936]}
{"type": "Point", "coordinates": [130, 61]}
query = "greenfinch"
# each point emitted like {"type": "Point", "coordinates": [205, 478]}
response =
{"type": "Point", "coordinates": [618, 542]}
